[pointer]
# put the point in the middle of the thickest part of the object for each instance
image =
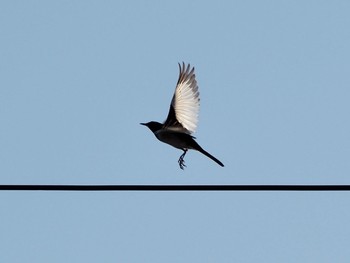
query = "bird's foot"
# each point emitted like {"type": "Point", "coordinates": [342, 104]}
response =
{"type": "Point", "coordinates": [181, 160]}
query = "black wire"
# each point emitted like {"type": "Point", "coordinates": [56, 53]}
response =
{"type": "Point", "coordinates": [174, 187]}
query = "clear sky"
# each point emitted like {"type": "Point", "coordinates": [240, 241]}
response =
{"type": "Point", "coordinates": [77, 78]}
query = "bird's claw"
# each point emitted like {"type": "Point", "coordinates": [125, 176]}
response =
{"type": "Point", "coordinates": [182, 163]}
{"type": "Point", "coordinates": [181, 160]}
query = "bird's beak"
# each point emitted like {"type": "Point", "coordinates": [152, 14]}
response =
{"type": "Point", "coordinates": [143, 123]}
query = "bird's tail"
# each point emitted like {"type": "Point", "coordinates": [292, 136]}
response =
{"type": "Point", "coordinates": [200, 149]}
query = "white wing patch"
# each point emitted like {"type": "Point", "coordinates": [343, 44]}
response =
{"type": "Point", "coordinates": [186, 99]}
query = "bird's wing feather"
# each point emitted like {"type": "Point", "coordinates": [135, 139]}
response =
{"type": "Point", "coordinates": [184, 108]}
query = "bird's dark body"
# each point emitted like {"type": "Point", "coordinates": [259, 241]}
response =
{"type": "Point", "coordinates": [184, 142]}
{"type": "Point", "coordinates": [182, 117]}
{"type": "Point", "coordinates": [177, 139]}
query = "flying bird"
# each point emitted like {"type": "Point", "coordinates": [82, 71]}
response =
{"type": "Point", "coordinates": [182, 118]}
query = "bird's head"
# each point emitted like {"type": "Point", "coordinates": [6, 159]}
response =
{"type": "Point", "coordinates": [153, 125]}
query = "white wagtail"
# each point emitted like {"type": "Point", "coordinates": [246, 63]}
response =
{"type": "Point", "coordinates": [182, 117]}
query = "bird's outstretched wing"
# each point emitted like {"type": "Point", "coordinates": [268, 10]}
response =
{"type": "Point", "coordinates": [184, 107]}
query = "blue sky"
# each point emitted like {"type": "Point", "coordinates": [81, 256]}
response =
{"type": "Point", "coordinates": [77, 78]}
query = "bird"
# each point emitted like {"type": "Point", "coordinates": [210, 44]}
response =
{"type": "Point", "coordinates": [182, 119]}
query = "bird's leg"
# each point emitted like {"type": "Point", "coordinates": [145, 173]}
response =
{"type": "Point", "coordinates": [181, 160]}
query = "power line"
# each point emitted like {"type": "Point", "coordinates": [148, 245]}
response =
{"type": "Point", "coordinates": [174, 187]}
